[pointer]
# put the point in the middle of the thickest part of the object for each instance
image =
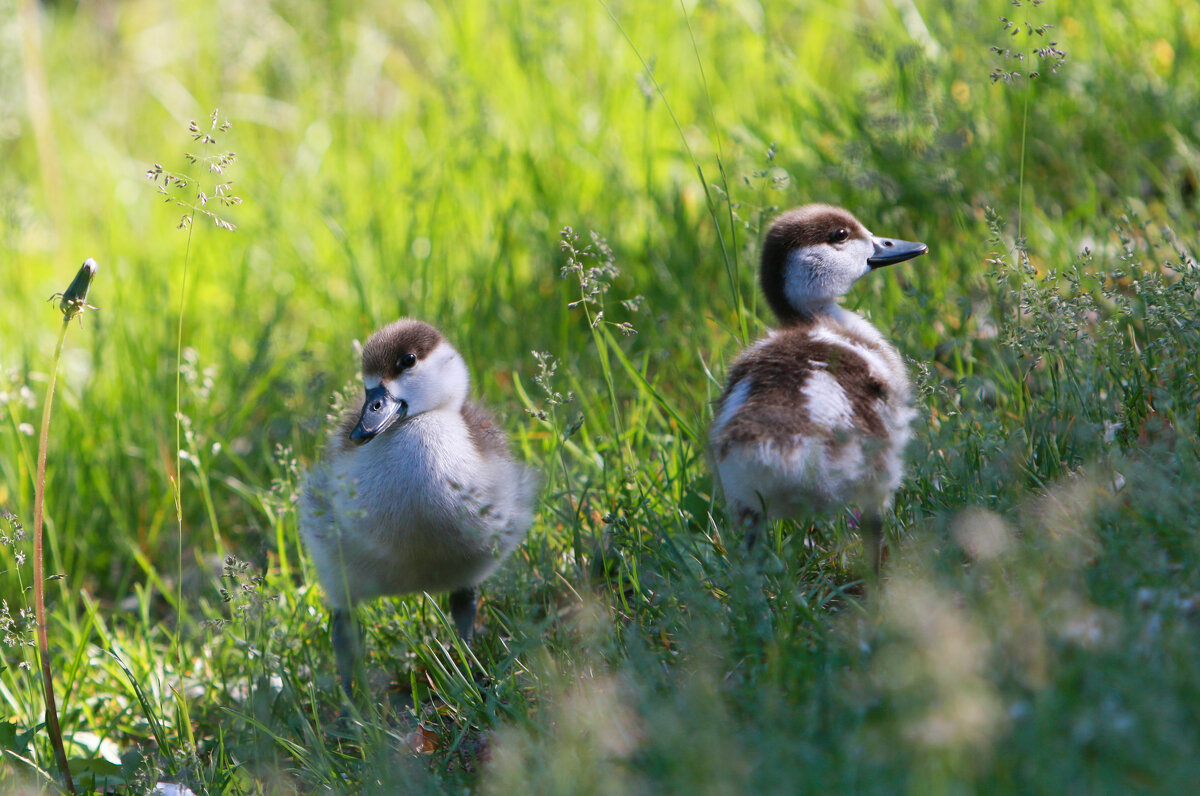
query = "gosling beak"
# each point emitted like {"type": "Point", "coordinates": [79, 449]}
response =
{"type": "Point", "coordinates": [380, 410]}
{"type": "Point", "coordinates": [889, 251]}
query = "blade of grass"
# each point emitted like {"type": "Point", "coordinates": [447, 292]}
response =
{"type": "Point", "coordinates": [711, 203]}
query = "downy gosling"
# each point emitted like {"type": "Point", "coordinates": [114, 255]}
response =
{"type": "Point", "coordinates": [417, 490]}
{"type": "Point", "coordinates": [816, 415]}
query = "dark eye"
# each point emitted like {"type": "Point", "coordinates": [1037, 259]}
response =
{"type": "Point", "coordinates": [840, 236]}
{"type": "Point", "coordinates": [407, 361]}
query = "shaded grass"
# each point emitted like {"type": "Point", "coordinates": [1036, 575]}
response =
{"type": "Point", "coordinates": [422, 160]}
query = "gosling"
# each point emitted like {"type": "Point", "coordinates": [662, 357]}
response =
{"type": "Point", "coordinates": [816, 415]}
{"type": "Point", "coordinates": [417, 490]}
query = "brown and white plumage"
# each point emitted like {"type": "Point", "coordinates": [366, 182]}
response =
{"type": "Point", "coordinates": [816, 415]}
{"type": "Point", "coordinates": [417, 490]}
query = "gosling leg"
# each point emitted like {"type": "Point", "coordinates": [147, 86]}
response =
{"type": "Point", "coordinates": [753, 523]}
{"type": "Point", "coordinates": [872, 535]}
{"type": "Point", "coordinates": [463, 604]}
{"type": "Point", "coordinates": [346, 638]}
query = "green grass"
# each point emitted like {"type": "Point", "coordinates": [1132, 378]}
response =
{"type": "Point", "coordinates": [1037, 630]}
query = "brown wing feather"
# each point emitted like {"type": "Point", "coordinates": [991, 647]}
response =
{"type": "Point", "coordinates": [486, 434]}
{"type": "Point", "coordinates": [779, 370]}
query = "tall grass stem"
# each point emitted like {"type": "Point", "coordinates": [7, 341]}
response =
{"type": "Point", "coordinates": [1021, 167]}
{"type": "Point", "coordinates": [39, 591]}
{"type": "Point", "coordinates": [731, 262]}
{"type": "Point", "coordinates": [710, 202]}
{"type": "Point", "coordinates": [73, 303]}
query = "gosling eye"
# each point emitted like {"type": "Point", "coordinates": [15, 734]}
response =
{"type": "Point", "coordinates": [840, 236]}
{"type": "Point", "coordinates": [407, 361]}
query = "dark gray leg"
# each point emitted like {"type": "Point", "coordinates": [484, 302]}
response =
{"type": "Point", "coordinates": [871, 524]}
{"type": "Point", "coordinates": [344, 633]}
{"type": "Point", "coordinates": [752, 523]}
{"type": "Point", "coordinates": [462, 609]}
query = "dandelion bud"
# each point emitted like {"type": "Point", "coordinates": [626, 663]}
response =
{"type": "Point", "coordinates": [74, 300]}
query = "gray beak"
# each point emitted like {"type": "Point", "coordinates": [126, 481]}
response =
{"type": "Point", "coordinates": [380, 410]}
{"type": "Point", "coordinates": [889, 251]}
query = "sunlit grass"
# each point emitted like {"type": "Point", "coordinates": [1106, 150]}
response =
{"type": "Point", "coordinates": [1037, 627]}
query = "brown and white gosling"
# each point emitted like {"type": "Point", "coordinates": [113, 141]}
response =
{"type": "Point", "coordinates": [417, 490]}
{"type": "Point", "coordinates": [816, 415]}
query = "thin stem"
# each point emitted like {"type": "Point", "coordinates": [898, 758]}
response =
{"type": "Point", "coordinates": [177, 480]}
{"type": "Point", "coordinates": [731, 268]}
{"type": "Point", "coordinates": [606, 368]}
{"type": "Point", "coordinates": [710, 202]}
{"type": "Point", "coordinates": [560, 448]}
{"type": "Point", "coordinates": [1021, 169]}
{"type": "Point", "coordinates": [1021, 250]}
{"type": "Point", "coordinates": [39, 593]}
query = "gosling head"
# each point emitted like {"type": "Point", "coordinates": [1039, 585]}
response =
{"type": "Point", "coordinates": [812, 255]}
{"type": "Point", "coordinates": [408, 368]}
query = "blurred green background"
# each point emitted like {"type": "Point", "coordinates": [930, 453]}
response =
{"type": "Point", "coordinates": [421, 159]}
